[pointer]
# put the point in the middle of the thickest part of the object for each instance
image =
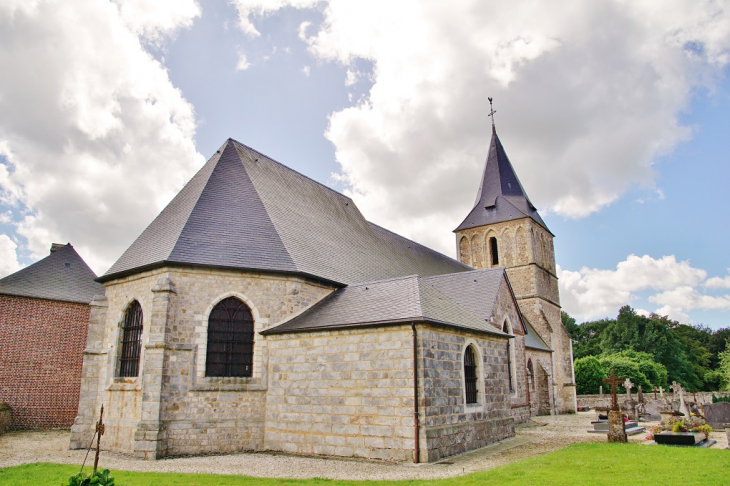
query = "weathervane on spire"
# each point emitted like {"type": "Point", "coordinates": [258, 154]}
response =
{"type": "Point", "coordinates": [491, 111]}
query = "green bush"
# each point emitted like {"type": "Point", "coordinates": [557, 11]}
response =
{"type": "Point", "coordinates": [101, 478]}
{"type": "Point", "coordinates": [589, 375]}
{"type": "Point", "coordinates": [624, 368]}
{"type": "Point", "coordinates": [716, 399]}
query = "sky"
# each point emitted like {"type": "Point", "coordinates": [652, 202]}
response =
{"type": "Point", "coordinates": [614, 114]}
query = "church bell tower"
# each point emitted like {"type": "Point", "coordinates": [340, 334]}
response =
{"type": "Point", "coordinates": [504, 229]}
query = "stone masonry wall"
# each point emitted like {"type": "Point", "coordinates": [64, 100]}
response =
{"type": "Point", "coordinates": [40, 360]}
{"type": "Point", "coordinates": [173, 407]}
{"type": "Point", "coordinates": [342, 393]}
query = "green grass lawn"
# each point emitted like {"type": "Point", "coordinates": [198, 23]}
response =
{"type": "Point", "coordinates": [588, 463]}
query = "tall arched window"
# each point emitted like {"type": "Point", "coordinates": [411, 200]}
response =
{"type": "Point", "coordinates": [506, 329]}
{"type": "Point", "coordinates": [131, 341]}
{"type": "Point", "coordinates": [493, 250]}
{"type": "Point", "coordinates": [230, 339]}
{"type": "Point", "coordinates": [470, 375]}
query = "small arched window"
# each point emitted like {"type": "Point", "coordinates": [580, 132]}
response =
{"type": "Point", "coordinates": [470, 375]}
{"type": "Point", "coordinates": [494, 250]}
{"type": "Point", "coordinates": [131, 341]}
{"type": "Point", "coordinates": [230, 340]}
{"type": "Point", "coordinates": [506, 329]}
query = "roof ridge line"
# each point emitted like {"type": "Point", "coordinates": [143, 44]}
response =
{"type": "Point", "coordinates": [288, 168]}
{"type": "Point", "coordinates": [373, 282]}
{"type": "Point", "coordinates": [219, 153]}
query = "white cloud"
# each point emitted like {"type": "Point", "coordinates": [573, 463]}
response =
{"type": "Point", "coordinates": [158, 19]}
{"type": "Point", "coordinates": [262, 8]}
{"type": "Point", "coordinates": [718, 282]}
{"type": "Point", "coordinates": [242, 63]}
{"type": "Point", "coordinates": [97, 139]}
{"type": "Point", "coordinates": [590, 292]}
{"type": "Point", "coordinates": [8, 257]}
{"type": "Point", "coordinates": [588, 95]}
{"type": "Point", "coordinates": [307, 70]}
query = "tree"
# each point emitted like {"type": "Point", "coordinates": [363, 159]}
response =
{"type": "Point", "coordinates": [625, 368]}
{"type": "Point", "coordinates": [724, 367]}
{"type": "Point", "coordinates": [653, 335]}
{"type": "Point", "coordinates": [589, 375]}
{"type": "Point", "coordinates": [587, 341]}
{"type": "Point", "coordinates": [569, 324]}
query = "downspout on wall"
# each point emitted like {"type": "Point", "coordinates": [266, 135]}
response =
{"type": "Point", "coordinates": [416, 451]}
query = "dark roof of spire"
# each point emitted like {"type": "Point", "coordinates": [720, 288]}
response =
{"type": "Point", "coordinates": [501, 196]}
{"type": "Point", "coordinates": [62, 275]}
{"type": "Point", "coordinates": [243, 210]}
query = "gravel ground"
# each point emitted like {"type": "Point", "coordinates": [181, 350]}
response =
{"type": "Point", "coordinates": [541, 435]}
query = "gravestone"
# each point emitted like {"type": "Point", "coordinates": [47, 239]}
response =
{"type": "Point", "coordinates": [616, 430]}
{"type": "Point", "coordinates": [652, 409]}
{"type": "Point", "coordinates": [717, 414]}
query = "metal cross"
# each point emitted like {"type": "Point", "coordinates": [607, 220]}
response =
{"type": "Point", "coordinates": [655, 390]}
{"type": "Point", "coordinates": [613, 381]}
{"type": "Point", "coordinates": [492, 111]}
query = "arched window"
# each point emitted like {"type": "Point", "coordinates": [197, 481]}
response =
{"type": "Point", "coordinates": [464, 255]}
{"type": "Point", "coordinates": [493, 250]}
{"type": "Point", "coordinates": [230, 339]}
{"type": "Point", "coordinates": [506, 329]}
{"type": "Point", "coordinates": [470, 375]}
{"type": "Point", "coordinates": [131, 341]}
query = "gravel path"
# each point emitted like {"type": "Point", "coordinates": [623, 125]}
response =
{"type": "Point", "coordinates": [542, 435]}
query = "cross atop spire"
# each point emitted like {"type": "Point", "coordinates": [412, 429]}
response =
{"type": "Point", "coordinates": [491, 111]}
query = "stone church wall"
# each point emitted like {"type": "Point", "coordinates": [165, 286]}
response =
{"type": "Point", "coordinates": [40, 363]}
{"type": "Point", "coordinates": [172, 408]}
{"type": "Point", "coordinates": [342, 393]}
{"type": "Point", "coordinates": [449, 424]}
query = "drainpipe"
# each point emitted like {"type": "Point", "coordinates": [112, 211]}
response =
{"type": "Point", "coordinates": [415, 393]}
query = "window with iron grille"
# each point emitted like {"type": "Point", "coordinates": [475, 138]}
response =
{"type": "Point", "coordinates": [470, 375]}
{"type": "Point", "coordinates": [230, 340]}
{"type": "Point", "coordinates": [131, 341]}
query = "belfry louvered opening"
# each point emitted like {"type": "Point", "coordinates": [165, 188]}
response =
{"type": "Point", "coordinates": [230, 340]}
{"type": "Point", "coordinates": [131, 341]}
{"type": "Point", "coordinates": [470, 375]}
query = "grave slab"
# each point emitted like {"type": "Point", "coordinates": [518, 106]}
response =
{"type": "Point", "coordinates": [717, 414]}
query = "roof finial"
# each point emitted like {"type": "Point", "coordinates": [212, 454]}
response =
{"type": "Point", "coordinates": [491, 112]}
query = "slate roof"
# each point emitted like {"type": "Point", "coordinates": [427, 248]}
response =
{"type": "Point", "coordinates": [501, 196]}
{"type": "Point", "coordinates": [405, 299]}
{"type": "Point", "coordinates": [533, 339]}
{"type": "Point", "coordinates": [243, 210]}
{"type": "Point", "coordinates": [62, 275]}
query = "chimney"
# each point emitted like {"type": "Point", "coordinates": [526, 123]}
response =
{"type": "Point", "coordinates": [56, 246]}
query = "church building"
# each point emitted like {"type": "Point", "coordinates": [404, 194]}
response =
{"type": "Point", "coordinates": [260, 311]}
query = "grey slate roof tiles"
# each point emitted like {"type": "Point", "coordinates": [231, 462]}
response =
{"type": "Point", "coordinates": [501, 196]}
{"type": "Point", "coordinates": [405, 299]}
{"type": "Point", "coordinates": [62, 275]}
{"type": "Point", "coordinates": [244, 210]}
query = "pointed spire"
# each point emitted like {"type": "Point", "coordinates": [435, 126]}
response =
{"type": "Point", "coordinates": [501, 196]}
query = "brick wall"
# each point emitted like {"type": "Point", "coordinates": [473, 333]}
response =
{"type": "Point", "coordinates": [41, 344]}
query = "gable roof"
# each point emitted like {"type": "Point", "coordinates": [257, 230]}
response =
{"type": "Point", "coordinates": [501, 196]}
{"type": "Point", "coordinates": [401, 300]}
{"type": "Point", "coordinates": [243, 210]}
{"type": "Point", "coordinates": [62, 275]}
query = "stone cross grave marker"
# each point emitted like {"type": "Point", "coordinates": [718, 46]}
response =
{"type": "Point", "coordinates": [613, 381]}
{"type": "Point", "coordinates": [616, 426]}
{"type": "Point", "coordinates": [655, 390]}
{"type": "Point", "coordinates": [640, 395]}
{"type": "Point", "coordinates": [628, 385]}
